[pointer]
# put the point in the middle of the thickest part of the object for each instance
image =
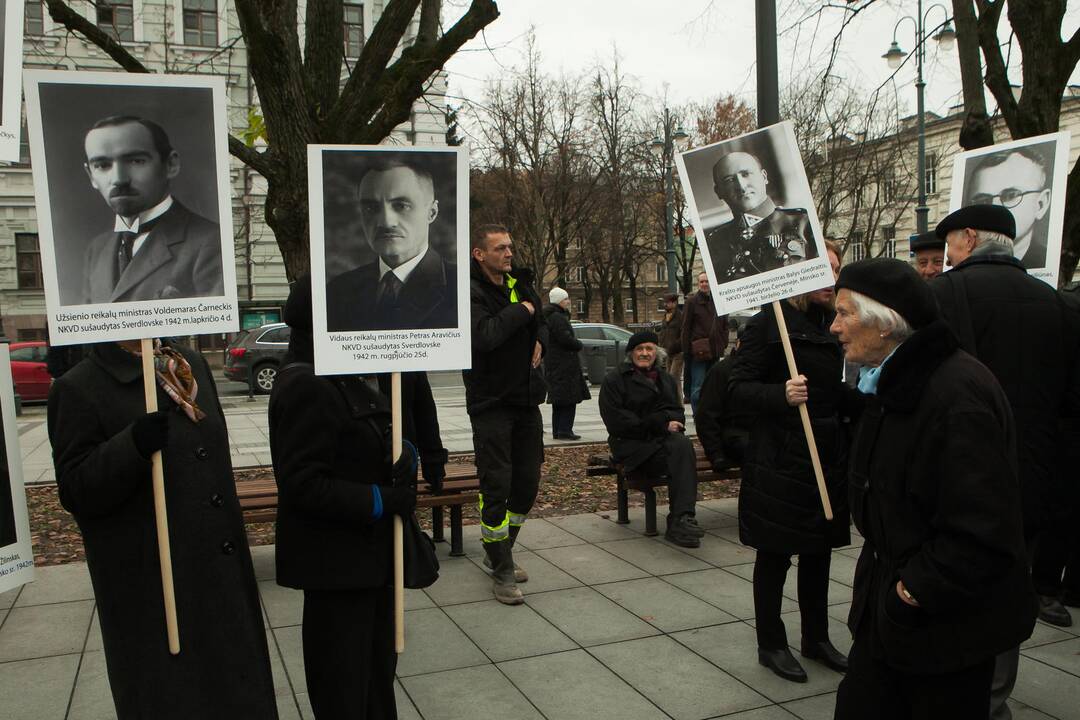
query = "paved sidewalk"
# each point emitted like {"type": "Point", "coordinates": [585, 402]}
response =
{"type": "Point", "coordinates": [615, 625]}
{"type": "Point", "coordinates": [249, 438]}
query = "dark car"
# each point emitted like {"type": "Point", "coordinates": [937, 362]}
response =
{"type": "Point", "coordinates": [28, 370]}
{"type": "Point", "coordinates": [256, 354]}
{"type": "Point", "coordinates": [604, 347]}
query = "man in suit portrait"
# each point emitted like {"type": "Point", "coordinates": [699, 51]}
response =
{"type": "Point", "coordinates": [157, 249]}
{"type": "Point", "coordinates": [1017, 179]}
{"type": "Point", "coordinates": [760, 235]}
{"type": "Point", "coordinates": [409, 286]}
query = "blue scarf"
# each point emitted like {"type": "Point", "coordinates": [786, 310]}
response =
{"type": "Point", "coordinates": [868, 376]}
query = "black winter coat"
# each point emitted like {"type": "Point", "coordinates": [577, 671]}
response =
{"type": "Point", "coordinates": [723, 427]}
{"type": "Point", "coordinates": [223, 669]}
{"type": "Point", "coordinates": [934, 491]}
{"type": "Point", "coordinates": [1019, 328]}
{"type": "Point", "coordinates": [779, 504]}
{"type": "Point", "coordinates": [330, 442]}
{"type": "Point", "coordinates": [636, 412]}
{"type": "Point", "coordinates": [562, 366]}
{"type": "Point", "coordinates": [503, 337]}
{"type": "Point", "coordinates": [420, 421]}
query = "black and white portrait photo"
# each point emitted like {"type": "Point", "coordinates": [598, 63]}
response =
{"type": "Point", "coordinates": [1027, 177]}
{"type": "Point", "coordinates": [16, 551]}
{"type": "Point", "coordinates": [752, 205]}
{"type": "Point", "coordinates": [133, 188]}
{"type": "Point", "coordinates": [391, 238]}
{"type": "Point", "coordinates": [11, 43]}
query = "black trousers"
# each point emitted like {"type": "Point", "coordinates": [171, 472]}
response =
{"type": "Point", "coordinates": [676, 460]}
{"type": "Point", "coordinates": [770, 571]}
{"type": "Point", "coordinates": [872, 689]}
{"type": "Point", "coordinates": [349, 658]}
{"type": "Point", "coordinates": [509, 446]}
{"type": "Point", "coordinates": [1054, 559]}
{"type": "Point", "coordinates": [562, 419]}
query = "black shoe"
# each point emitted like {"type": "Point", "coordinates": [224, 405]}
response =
{"type": "Point", "coordinates": [566, 436]}
{"type": "Point", "coordinates": [826, 653]}
{"type": "Point", "coordinates": [783, 663]}
{"type": "Point", "coordinates": [679, 534]}
{"type": "Point", "coordinates": [690, 524]}
{"type": "Point", "coordinates": [1052, 611]}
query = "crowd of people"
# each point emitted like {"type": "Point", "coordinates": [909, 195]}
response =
{"type": "Point", "coordinates": [938, 404]}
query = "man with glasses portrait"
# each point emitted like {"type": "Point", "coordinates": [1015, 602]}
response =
{"type": "Point", "coordinates": [1018, 180]}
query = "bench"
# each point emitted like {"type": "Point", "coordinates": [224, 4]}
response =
{"type": "Point", "coordinates": [259, 500]}
{"type": "Point", "coordinates": [625, 481]}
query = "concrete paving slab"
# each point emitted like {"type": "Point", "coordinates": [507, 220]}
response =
{"type": "Point", "coordinates": [593, 528]}
{"type": "Point", "coordinates": [543, 576]}
{"type": "Point", "coordinates": [574, 685]}
{"type": "Point", "coordinates": [1063, 655]}
{"type": "Point", "coordinates": [819, 707]}
{"type": "Point", "coordinates": [652, 556]}
{"type": "Point", "coordinates": [469, 692]}
{"type": "Point", "coordinates": [720, 588]}
{"type": "Point", "coordinates": [766, 713]}
{"type": "Point", "coordinates": [663, 605]}
{"type": "Point", "coordinates": [837, 593]}
{"type": "Point", "coordinates": [679, 682]}
{"type": "Point", "coordinates": [93, 638]}
{"type": "Point", "coordinates": [7, 599]}
{"type": "Point", "coordinates": [1021, 711]}
{"type": "Point", "coordinates": [406, 710]}
{"type": "Point", "coordinates": [434, 643]}
{"type": "Point", "coordinates": [290, 645]}
{"type": "Point", "coordinates": [507, 632]}
{"type": "Point", "coordinates": [3, 616]}
{"type": "Point", "coordinates": [304, 703]}
{"type": "Point", "coordinates": [57, 583]}
{"type": "Point", "coordinates": [92, 699]}
{"type": "Point", "coordinates": [842, 569]}
{"type": "Point", "coordinates": [460, 581]}
{"type": "Point", "coordinates": [45, 630]}
{"type": "Point", "coordinates": [1051, 690]}
{"type": "Point", "coordinates": [720, 552]}
{"type": "Point", "coordinates": [1044, 634]}
{"type": "Point", "coordinates": [282, 686]}
{"type": "Point", "coordinates": [284, 606]}
{"type": "Point", "coordinates": [590, 564]}
{"type": "Point", "coordinates": [539, 534]}
{"type": "Point", "coordinates": [417, 600]}
{"type": "Point", "coordinates": [262, 557]}
{"type": "Point", "coordinates": [838, 634]}
{"type": "Point", "coordinates": [733, 648]}
{"type": "Point", "coordinates": [714, 520]}
{"type": "Point", "coordinates": [731, 534]}
{"type": "Point", "coordinates": [728, 506]}
{"type": "Point", "coordinates": [37, 689]}
{"type": "Point", "coordinates": [588, 617]}
{"type": "Point", "coordinates": [636, 516]}
{"type": "Point", "coordinates": [287, 708]}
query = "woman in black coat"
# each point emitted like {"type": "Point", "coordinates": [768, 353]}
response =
{"type": "Point", "coordinates": [562, 366]}
{"type": "Point", "coordinates": [330, 444]}
{"type": "Point", "coordinates": [942, 583]}
{"type": "Point", "coordinates": [102, 440]}
{"type": "Point", "coordinates": [780, 511]}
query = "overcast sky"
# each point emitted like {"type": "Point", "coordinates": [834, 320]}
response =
{"type": "Point", "coordinates": [702, 48]}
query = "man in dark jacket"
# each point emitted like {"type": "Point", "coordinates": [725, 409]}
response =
{"type": "Point", "coordinates": [562, 366]}
{"type": "Point", "coordinates": [1019, 328]}
{"type": "Point", "coordinates": [704, 336]}
{"type": "Point", "coordinates": [671, 336]}
{"type": "Point", "coordinates": [639, 404]}
{"type": "Point", "coordinates": [502, 392]}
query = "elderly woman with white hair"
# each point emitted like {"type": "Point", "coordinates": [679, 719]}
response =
{"type": "Point", "coordinates": [942, 582]}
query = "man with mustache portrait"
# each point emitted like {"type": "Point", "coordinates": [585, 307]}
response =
{"type": "Point", "coordinates": [410, 286]}
{"type": "Point", "coordinates": [760, 235]}
{"type": "Point", "coordinates": [158, 249]}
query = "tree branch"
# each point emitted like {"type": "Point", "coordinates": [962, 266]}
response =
{"type": "Point", "coordinates": [997, 73]}
{"type": "Point", "coordinates": [255, 160]}
{"type": "Point", "coordinates": [324, 48]}
{"type": "Point", "coordinates": [429, 22]}
{"type": "Point", "coordinates": [62, 14]}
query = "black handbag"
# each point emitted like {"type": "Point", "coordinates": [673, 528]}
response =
{"type": "Point", "coordinates": [418, 549]}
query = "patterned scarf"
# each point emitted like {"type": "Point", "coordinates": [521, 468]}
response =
{"type": "Point", "coordinates": [175, 378]}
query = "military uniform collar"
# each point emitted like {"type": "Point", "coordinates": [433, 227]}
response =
{"type": "Point", "coordinates": [757, 214]}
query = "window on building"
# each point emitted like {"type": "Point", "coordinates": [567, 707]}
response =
{"type": "Point", "coordinates": [116, 18]}
{"type": "Point", "coordinates": [200, 23]}
{"type": "Point", "coordinates": [888, 187]}
{"type": "Point", "coordinates": [628, 305]}
{"type": "Point", "coordinates": [576, 274]}
{"type": "Point", "coordinates": [661, 272]}
{"type": "Point", "coordinates": [888, 241]}
{"type": "Point", "coordinates": [855, 243]}
{"type": "Point", "coordinates": [28, 261]}
{"type": "Point", "coordinates": [34, 17]}
{"type": "Point", "coordinates": [354, 29]}
{"type": "Point", "coordinates": [660, 304]}
{"type": "Point", "coordinates": [579, 306]}
{"type": "Point", "coordinates": [931, 174]}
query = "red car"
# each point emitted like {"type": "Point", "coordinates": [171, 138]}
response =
{"type": "Point", "coordinates": [32, 380]}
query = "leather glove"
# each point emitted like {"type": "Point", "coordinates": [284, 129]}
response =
{"type": "Point", "coordinates": [404, 470]}
{"type": "Point", "coordinates": [398, 500]}
{"type": "Point", "coordinates": [434, 473]}
{"type": "Point", "coordinates": [150, 432]}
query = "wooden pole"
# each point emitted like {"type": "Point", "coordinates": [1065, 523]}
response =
{"type": "Point", "coordinates": [399, 558]}
{"type": "Point", "coordinates": [160, 512]}
{"type": "Point", "coordinates": [803, 413]}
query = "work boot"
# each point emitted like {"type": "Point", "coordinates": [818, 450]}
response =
{"type": "Point", "coordinates": [501, 558]}
{"type": "Point", "coordinates": [679, 533]}
{"type": "Point", "coordinates": [520, 575]}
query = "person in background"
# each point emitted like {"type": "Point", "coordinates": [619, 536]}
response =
{"type": "Point", "coordinates": [928, 255]}
{"type": "Point", "coordinates": [723, 428]}
{"type": "Point", "coordinates": [780, 509]}
{"type": "Point", "coordinates": [942, 584]}
{"type": "Point", "coordinates": [671, 336]}
{"type": "Point", "coordinates": [704, 336]}
{"type": "Point", "coordinates": [562, 366]}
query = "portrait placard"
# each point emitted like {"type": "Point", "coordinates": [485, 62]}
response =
{"type": "Point", "coordinates": [131, 178]}
{"type": "Point", "coordinates": [389, 258]}
{"type": "Point", "coordinates": [11, 35]}
{"type": "Point", "coordinates": [1027, 176]}
{"type": "Point", "coordinates": [16, 553]}
{"type": "Point", "coordinates": [754, 218]}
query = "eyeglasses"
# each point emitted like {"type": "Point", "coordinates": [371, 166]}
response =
{"type": "Point", "coordinates": [1010, 197]}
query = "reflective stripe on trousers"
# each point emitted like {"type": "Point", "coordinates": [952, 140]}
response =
{"type": "Point", "coordinates": [496, 533]}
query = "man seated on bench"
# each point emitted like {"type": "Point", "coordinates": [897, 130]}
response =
{"type": "Point", "coordinates": [643, 413]}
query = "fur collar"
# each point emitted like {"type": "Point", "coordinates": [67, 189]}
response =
{"type": "Point", "coordinates": [904, 377]}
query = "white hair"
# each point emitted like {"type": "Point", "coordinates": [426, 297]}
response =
{"type": "Point", "coordinates": [989, 237]}
{"type": "Point", "coordinates": [883, 318]}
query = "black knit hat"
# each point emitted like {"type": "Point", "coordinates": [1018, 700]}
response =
{"type": "Point", "coordinates": [894, 284]}
{"type": "Point", "coordinates": [926, 241]}
{"type": "Point", "coordinates": [992, 218]}
{"type": "Point", "coordinates": [645, 336]}
{"type": "Point", "coordinates": [297, 313]}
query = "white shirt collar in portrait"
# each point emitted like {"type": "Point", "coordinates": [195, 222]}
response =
{"type": "Point", "coordinates": [404, 270]}
{"type": "Point", "coordinates": [144, 217]}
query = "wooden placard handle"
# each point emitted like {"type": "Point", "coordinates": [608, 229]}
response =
{"type": "Point", "coordinates": [399, 557]}
{"type": "Point", "coordinates": [804, 414]}
{"type": "Point", "coordinates": [160, 513]}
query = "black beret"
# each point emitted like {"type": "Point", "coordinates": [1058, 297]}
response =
{"type": "Point", "coordinates": [992, 218]}
{"type": "Point", "coordinates": [926, 241]}
{"type": "Point", "coordinates": [645, 336]}
{"type": "Point", "coordinates": [297, 314]}
{"type": "Point", "coordinates": [894, 284]}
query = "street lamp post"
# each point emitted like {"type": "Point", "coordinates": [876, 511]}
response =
{"type": "Point", "coordinates": [674, 139]}
{"type": "Point", "coordinates": [895, 57]}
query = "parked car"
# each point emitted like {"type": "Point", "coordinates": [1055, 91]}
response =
{"type": "Point", "coordinates": [28, 371]}
{"type": "Point", "coordinates": [255, 355]}
{"type": "Point", "coordinates": [601, 340]}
